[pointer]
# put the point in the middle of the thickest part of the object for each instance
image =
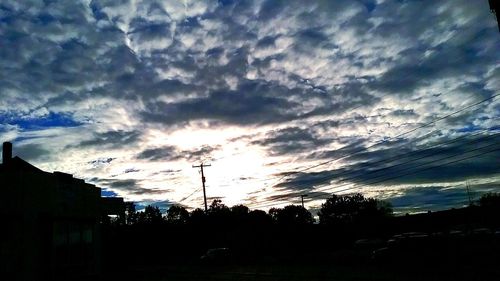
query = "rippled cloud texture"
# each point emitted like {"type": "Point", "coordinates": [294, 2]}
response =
{"type": "Point", "coordinates": [282, 97]}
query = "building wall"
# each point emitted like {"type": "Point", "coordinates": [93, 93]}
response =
{"type": "Point", "coordinates": [52, 227]}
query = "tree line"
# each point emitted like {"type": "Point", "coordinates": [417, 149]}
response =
{"type": "Point", "coordinates": [336, 210]}
{"type": "Point", "coordinates": [287, 233]}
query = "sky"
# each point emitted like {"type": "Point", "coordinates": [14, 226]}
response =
{"type": "Point", "coordinates": [395, 99]}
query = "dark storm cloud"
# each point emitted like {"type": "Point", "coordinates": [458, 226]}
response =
{"type": "Point", "coordinates": [103, 53]}
{"type": "Point", "coordinates": [442, 60]}
{"type": "Point", "coordinates": [434, 198]}
{"type": "Point", "coordinates": [127, 187]}
{"type": "Point", "coordinates": [312, 38]}
{"type": "Point", "coordinates": [404, 113]}
{"type": "Point", "coordinates": [247, 106]}
{"type": "Point", "coordinates": [59, 32]}
{"type": "Point", "coordinates": [166, 172]}
{"type": "Point", "coordinates": [453, 62]}
{"type": "Point", "coordinates": [119, 186]}
{"type": "Point", "coordinates": [200, 154]}
{"type": "Point", "coordinates": [172, 153]}
{"type": "Point", "coordinates": [31, 152]}
{"type": "Point", "coordinates": [114, 139]}
{"type": "Point", "coordinates": [307, 180]}
{"type": "Point", "coordinates": [291, 140]}
{"type": "Point", "coordinates": [101, 161]}
{"type": "Point", "coordinates": [350, 145]}
{"type": "Point", "coordinates": [123, 184]}
{"type": "Point", "coordinates": [131, 170]}
{"type": "Point", "coordinates": [259, 102]}
{"type": "Point", "coordinates": [143, 30]}
{"type": "Point", "coordinates": [409, 163]}
{"type": "Point", "coordinates": [431, 198]}
{"type": "Point", "coordinates": [165, 153]}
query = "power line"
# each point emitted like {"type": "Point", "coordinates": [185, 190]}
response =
{"type": "Point", "coordinates": [328, 177]}
{"type": "Point", "coordinates": [356, 187]}
{"type": "Point", "coordinates": [380, 181]}
{"type": "Point", "coordinates": [385, 140]}
{"type": "Point", "coordinates": [428, 168]}
{"type": "Point", "coordinates": [405, 174]}
{"type": "Point", "coordinates": [191, 194]}
{"type": "Point", "coordinates": [398, 157]}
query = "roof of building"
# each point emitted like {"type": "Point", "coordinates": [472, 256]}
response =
{"type": "Point", "coordinates": [18, 164]}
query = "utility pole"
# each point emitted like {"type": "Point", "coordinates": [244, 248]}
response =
{"type": "Point", "coordinates": [468, 192]}
{"type": "Point", "coordinates": [203, 183]}
{"type": "Point", "coordinates": [302, 199]}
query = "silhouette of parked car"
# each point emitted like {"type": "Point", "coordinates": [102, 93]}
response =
{"type": "Point", "coordinates": [216, 255]}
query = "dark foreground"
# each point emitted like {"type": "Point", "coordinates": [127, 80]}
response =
{"type": "Point", "coordinates": [309, 272]}
{"type": "Point", "coordinates": [410, 256]}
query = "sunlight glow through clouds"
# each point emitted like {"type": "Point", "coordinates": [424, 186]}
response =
{"type": "Point", "coordinates": [257, 88]}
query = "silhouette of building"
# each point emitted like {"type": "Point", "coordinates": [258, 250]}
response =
{"type": "Point", "coordinates": [113, 206]}
{"type": "Point", "coordinates": [50, 222]}
{"type": "Point", "coordinates": [495, 7]}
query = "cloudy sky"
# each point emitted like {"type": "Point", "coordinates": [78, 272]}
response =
{"type": "Point", "coordinates": [392, 98]}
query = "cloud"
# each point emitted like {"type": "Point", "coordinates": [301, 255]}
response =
{"type": "Point", "coordinates": [435, 198]}
{"type": "Point", "coordinates": [161, 153]}
{"type": "Point", "coordinates": [32, 152]}
{"type": "Point", "coordinates": [291, 140]}
{"type": "Point", "coordinates": [116, 139]}
{"type": "Point", "coordinates": [101, 161]}
{"type": "Point", "coordinates": [276, 85]}
{"type": "Point", "coordinates": [172, 153]}
{"type": "Point", "coordinates": [453, 160]}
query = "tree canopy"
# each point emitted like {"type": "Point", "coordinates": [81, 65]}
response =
{"type": "Point", "coordinates": [177, 214]}
{"type": "Point", "coordinates": [346, 209]}
{"type": "Point", "coordinates": [291, 214]}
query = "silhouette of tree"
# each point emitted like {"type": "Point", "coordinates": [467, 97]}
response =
{"type": "Point", "coordinates": [150, 215]}
{"type": "Point", "coordinates": [346, 209]}
{"type": "Point", "coordinates": [259, 218]}
{"type": "Point", "coordinates": [197, 216]}
{"type": "Point", "coordinates": [490, 201]}
{"type": "Point", "coordinates": [291, 214]}
{"type": "Point", "coordinates": [239, 214]}
{"type": "Point", "coordinates": [217, 206]}
{"type": "Point", "coordinates": [490, 207]}
{"type": "Point", "coordinates": [218, 213]}
{"type": "Point", "coordinates": [130, 213]}
{"type": "Point", "coordinates": [177, 215]}
{"type": "Point", "coordinates": [240, 210]}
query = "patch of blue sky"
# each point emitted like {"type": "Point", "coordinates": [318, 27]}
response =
{"type": "Point", "coordinates": [108, 193]}
{"type": "Point", "coordinates": [370, 5]}
{"type": "Point", "coordinates": [51, 120]}
{"type": "Point", "coordinates": [470, 128]}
